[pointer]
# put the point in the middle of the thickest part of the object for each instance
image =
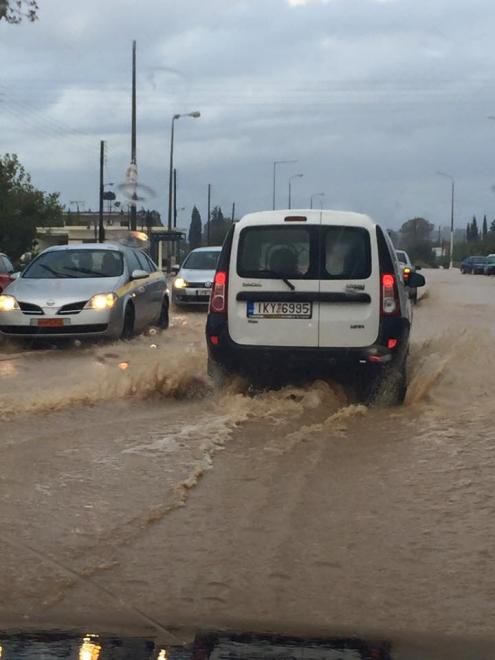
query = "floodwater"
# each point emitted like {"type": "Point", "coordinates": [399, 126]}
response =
{"type": "Point", "coordinates": [135, 496]}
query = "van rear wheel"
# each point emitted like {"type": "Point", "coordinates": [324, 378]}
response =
{"type": "Point", "coordinates": [217, 372]}
{"type": "Point", "coordinates": [385, 386]}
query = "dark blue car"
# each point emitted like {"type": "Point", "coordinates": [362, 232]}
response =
{"type": "Point", "coordinates": [474, 265]}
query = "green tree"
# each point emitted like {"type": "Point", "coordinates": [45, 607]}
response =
{"type": "Point", "coordinates": [492, 227]}
{"type": "Point", "coordinates": [14, 11]}
{"type": "Point", "coordinates": [195, 230]}
{"type": "Point", "coordinates": [416, 238]}
{"type": "Point", "coordinates": [485, 228]}
{"type": "Point", "coordinates": [218, 227]}
{"type": "Point", "coordinates": [475, 234]}
{"type": "Point", "coordinates": [23, 208]}
{"type": "Point", "coordinates": [468, 232]}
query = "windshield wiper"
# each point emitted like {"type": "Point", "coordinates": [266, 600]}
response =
{"type": "Point", "coordinates": [279, 276]}
{"type": "Point", "coordinates": [85, 271]}
{"type": "Point", "coordinates": [53, 271]}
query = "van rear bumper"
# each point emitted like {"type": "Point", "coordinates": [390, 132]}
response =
{"type": "Point", "coordinates": [244, 358]}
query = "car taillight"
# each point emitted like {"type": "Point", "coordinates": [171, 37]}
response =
{"type": "Point", "coordinates": [218, 301]}
{"type": "Point", "coordinates": [390, 295]}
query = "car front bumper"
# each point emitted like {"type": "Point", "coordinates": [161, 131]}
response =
{"type": "Point", "coordinates": [191, 296]}
{"type": "Point", "coordinates": [106, 323]}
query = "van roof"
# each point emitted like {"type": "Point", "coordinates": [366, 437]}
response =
{"type": "Point", "coordinates": [313, 215]}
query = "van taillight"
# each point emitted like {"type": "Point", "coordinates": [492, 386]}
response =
{"type": "Point", "coordinates": [390, 295]}
{"type": "Point", "coordinates": [218, 302]}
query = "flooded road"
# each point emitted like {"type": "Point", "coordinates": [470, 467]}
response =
{"type": "Point", "coordinates": [132, 491]}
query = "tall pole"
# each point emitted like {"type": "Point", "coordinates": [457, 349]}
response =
{"type": "Point", "coordinates": [209, 214]}
{"type": "Point", "coordinates": [451, 264]}
{"type": "Point", "coordinates": [290, 194]}
{"type": "Point", "coordinates": [101, 228]}
{"type": "Point", "coordinates": [133, 132]}
{"type": "Point", "coordinates": [171, 173]}
{"type": "Point", "coordinates": [175, 198]}
{"type": "Point", "coordinates": [233, 212]}
{"type": "Point", "coordinates": [276, 163]}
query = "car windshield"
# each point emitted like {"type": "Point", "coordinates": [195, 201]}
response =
{"type": "Point", "coordinates": [202, 260]}
{"type": "Point", "coordinates": [401, 256]}
{"type": "Point", "coordinates": [82, 264]}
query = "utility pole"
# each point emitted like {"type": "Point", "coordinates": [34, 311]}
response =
{"type": "Point", "coordinates": [175, 198]}
{"type": "Point", "coordinates": [101, 228]}
{"type": "Point", "coordinates": [209, 214]}
{"type": "Point", "coordinates": [233, 212]}
{"type": "Point", "coordinates": [133, 134]}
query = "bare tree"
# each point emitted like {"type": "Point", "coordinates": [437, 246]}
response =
{"type": "Point", "coordinates": [14, 11]}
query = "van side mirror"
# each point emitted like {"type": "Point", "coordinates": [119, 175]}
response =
{"type": "Point", "coordinates": [415, 280]}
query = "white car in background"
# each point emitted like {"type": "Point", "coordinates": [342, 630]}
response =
{"type": "Point", "coordinates": [408, 268]}
{"type": "Point", "coordinates": [194, 280]}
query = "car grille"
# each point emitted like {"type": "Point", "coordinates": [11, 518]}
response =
{"type": "Point", "coordinates": [29, 308]}
{"type": "Point", "coordinates": [65, 330]}
{"type": "Point", "coordinates": [199, 299]}
{"type": "Point", "coordinates": [72, 308]}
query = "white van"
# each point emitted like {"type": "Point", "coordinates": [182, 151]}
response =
{"type": "Point", "coordinates": [309, 289]}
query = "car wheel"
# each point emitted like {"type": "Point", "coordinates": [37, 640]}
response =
{"type": "Point", "coordinates": [164, 319]}
{"type": "Point", "coordinates": [128, 327]}
{"type": "Point", "coordinates": [386, 386]}
{"type": "Point", "coordinates": [463, 272]}
{"type": "Point", "coordinates": [217, 372]}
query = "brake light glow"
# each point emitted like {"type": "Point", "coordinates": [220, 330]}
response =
{"type": "Point", "coordinates": [218, 301]}
{"type": "Point", "coordinates": [295, 218]}
{"type": "Point", "coordinates": [390, 298]}
{"type": "Point", "coordinates": [392, 343]}
{"type": "Point", "coordinates": [214, 340]}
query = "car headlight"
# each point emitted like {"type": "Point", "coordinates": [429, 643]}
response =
{"type": "Point", "coordinates": [180, 283]}
{"type": "Point", "coordinates": [8, 303]}
{"type": "Point", "coordinates": [101, 301]}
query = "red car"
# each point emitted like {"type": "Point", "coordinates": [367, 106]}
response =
{"type": "Point", "coordinates": [6, 270]}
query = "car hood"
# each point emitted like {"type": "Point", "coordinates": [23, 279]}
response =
{"type": "Point", "coordinates": [60, 291]}
{"type": "Point", "coordinates": [193, 275]}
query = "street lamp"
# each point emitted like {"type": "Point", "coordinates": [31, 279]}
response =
{"type": "Point", "coordinates": [294, 176]}
{"type": "Point", "coordinates": [194, 115]}
{"type": "Point", "coordinates": [313, 196]}
{"type": "Point", "coordinates": [452, 180]}
{"type": "Point", "coordinates": [276, 163]}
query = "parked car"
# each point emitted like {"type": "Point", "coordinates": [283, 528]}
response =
{"type": "Point", "coordinates": [489, 268]}
{"type": "Point", "coordinates": [6, 271]}
{"type": "Point", "coordinates": [99, 289]}
{"type": "Point", "coordinates": [311, 288]}
{"type": "Point", "coordinates": [474, 265]}
{"type": "Point", "coordinates": [193, 283]}
{"type": "Point", "coordinates": [407, 268]}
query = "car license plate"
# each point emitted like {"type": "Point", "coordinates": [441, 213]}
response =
{"type": "Point", "coordinates": [279, 310]}
{"type": "Point", "coordinates": [50, 323]}
{"type": "Point", "coordinates": [203, 292]}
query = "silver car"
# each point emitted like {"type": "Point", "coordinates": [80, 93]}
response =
{"type": "Point", "coordinates": [85, 290]}
{"type": "Point", "coordinates": [193, 283]}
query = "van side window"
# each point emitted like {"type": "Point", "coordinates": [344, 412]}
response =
{"type": "Point", "coordinates": [347, 253]}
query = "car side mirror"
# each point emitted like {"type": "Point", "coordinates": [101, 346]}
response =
{"type": "Point", "coordinates": [174, 269]}
{"type": "Point", "coordinates": [417, 267]}
{"type": "Point", "coordinates": [139, 274]}
{"type": "Point", "coordinates": [15, 275]}
{"type": "Point", "coordinates": [415, 280]}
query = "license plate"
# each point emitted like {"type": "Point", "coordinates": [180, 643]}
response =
{"type": "Point", "coordinates": [50, 323]}
{"type": "Point", "coordinates": [203, 292]}
{"type": "Point", "coordinates": [279, 310]}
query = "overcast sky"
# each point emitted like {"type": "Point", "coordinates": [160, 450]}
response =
{"type": "Point", "coordinates": [372, 97]}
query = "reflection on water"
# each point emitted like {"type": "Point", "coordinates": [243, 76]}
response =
{"type": "Point", "coordinates": [211, 646]}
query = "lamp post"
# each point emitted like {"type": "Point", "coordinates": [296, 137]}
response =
{"type": "Point", "coordinates": [313, 196]}
{"type": "Point", "coordinates": [294, 176]}
{"type": "Point", "coordinates": [452, 180]}
{"type": "Point", "coordinates": [276, 163]}
{"type": "Point", "coordinates": [194, 115]}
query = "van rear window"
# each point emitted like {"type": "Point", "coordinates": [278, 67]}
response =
{"type": "Point", "coordinates": [347, 253]}
{"type": "Point", "coordinates": [267, 251]}
{"type": "Point", "coordinates": [311, 252]}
